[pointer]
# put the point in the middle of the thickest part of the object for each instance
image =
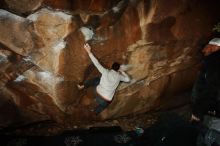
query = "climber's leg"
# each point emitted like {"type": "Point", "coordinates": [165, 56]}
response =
{"type": "Point", "coordinates": [101, 104]}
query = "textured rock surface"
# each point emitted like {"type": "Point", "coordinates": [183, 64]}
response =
{"type": "Point", "coordinates": [23, 6]}
{"type": "Point", "coordinates": [17, 33]}
{"type": "Point", "coordinates": [159, 40]}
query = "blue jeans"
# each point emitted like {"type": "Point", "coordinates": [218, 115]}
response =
{"type": "Point", "coordinates": [101, 103]}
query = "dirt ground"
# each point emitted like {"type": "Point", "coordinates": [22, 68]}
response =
{"type": "Point", "coordinates": [47, 128]}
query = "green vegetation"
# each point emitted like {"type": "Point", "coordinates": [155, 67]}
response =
{"type": "Point", "coordinates": [216, 27]}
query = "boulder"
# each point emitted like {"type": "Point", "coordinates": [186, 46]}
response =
{"type": "Point", "coordinates": [157, 40]}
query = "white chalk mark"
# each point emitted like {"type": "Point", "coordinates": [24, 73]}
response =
{"type": "Point", "coordinates": [87, 32]}
{"type": "Point", "coordinates": [59, 46]}
{"type": "Point", "coordinates": [19, 78]}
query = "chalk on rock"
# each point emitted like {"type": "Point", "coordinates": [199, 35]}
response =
{"type": "Point", "coordinates": [116, 9]}
{"type": "Point", "coordinates": [3, 59]}
{"type": "Point", "coordinates": [119, 6]}
{"type": "Point", "coordinates": [125, 67]}
{"type": "Point", "coordinates": [58, 46]}
{"type": "Point", "coordinates": [27, 58]}
{"type": "Point", "coordinates": [87, 32]}
{"type": "Point", "coordinates": [19, 78]}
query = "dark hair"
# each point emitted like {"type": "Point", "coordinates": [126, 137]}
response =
{"type": "Point", "coordinates": [115, 66]}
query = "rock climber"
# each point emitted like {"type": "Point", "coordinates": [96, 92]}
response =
{"type": "Point", "coordinates": [106, 85]}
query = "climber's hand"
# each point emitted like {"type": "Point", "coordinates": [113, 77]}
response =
{"type": "Point", "coordinates": [87, 48]}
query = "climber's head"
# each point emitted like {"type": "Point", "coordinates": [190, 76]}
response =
{"type": "Point", "coordinates": [116, 66]}
{"type": "Point", "coordinates": [213, 46]}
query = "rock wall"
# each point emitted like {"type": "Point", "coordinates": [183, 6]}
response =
{"type": "Point", "coordinates": [158, 40]}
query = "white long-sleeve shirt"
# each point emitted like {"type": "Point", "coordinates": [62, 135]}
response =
{"type": "Point", "coordinates": [109, 81]}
